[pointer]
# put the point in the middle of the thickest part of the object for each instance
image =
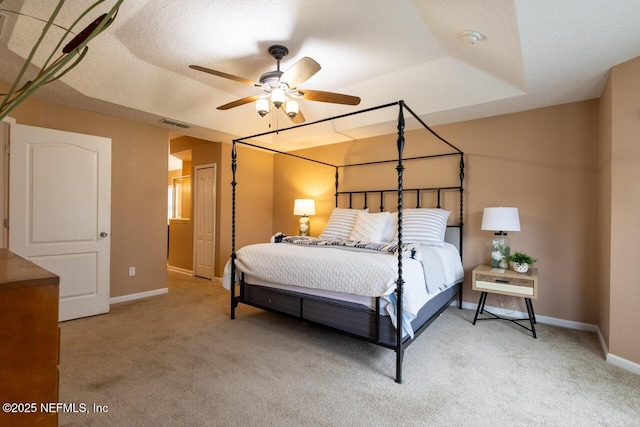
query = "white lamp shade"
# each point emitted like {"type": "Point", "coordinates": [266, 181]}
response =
{"type": "Point", "coordinates": [501, 219]}
{"type": "Point", "coordinates": [304, 207]}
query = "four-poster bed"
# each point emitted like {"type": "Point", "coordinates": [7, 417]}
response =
{"type": "Point", "coordinates": [400, 308]}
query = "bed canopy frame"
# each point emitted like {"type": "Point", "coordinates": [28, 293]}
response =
{"type": "Point", "coordinates": [400, 343]}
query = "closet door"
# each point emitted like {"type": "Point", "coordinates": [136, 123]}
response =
{"type": "Point", "coordinates": [205, 221]}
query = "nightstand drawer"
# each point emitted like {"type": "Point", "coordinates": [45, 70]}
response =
{"type": "Point", "coordinates": [506, 282]}
{"type": "Point", "coordinates": [512, 286]}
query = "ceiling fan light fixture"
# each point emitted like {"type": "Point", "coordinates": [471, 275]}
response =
{"type": "Point", "coordinates": [262, 106]}
{"type": "Point", "coordinates": [291, 108]}
{"type": "Point", "coordinates": [277, 97]}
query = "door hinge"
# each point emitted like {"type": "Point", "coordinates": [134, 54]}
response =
{"type": "Point", "coordinates": [6, 223]}
{"type": "Point", "coordinates": [7, 148]}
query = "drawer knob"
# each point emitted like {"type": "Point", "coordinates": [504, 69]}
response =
{"type": "Point", "coordinates": [502, 281]}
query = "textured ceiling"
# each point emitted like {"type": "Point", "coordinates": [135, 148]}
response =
{"type": "Point", "coordinates": [537, 53]}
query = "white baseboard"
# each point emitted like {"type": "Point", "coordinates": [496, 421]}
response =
{"type": "Point", "coordinates": [179, 270]}
{"type": "Point", "coordinates": [623, 363]}
{"type": "Point", "coordinates": [139, 295]}
{"type": "Point", "coordinates": [617, 360]}
{"type": "Point", "coordinates": [603, 344]}
{"type": "Point", "coordinates": [609, 357]}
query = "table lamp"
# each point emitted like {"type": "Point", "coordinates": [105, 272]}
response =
{"type": "Point", "coordinates": [304, 207]}
{"type": "Point", "coordinates": [500, 219]}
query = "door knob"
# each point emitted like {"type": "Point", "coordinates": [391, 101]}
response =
{"type": "Point", "coordinates": [104, 234]}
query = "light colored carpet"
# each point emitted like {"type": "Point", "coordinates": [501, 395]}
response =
{"type": "Point", "coordinates": [178, 360]}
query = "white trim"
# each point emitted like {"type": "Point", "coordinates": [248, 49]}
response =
{"type": "Point", "coordinates": [139, 295]}
{"type": "Point", "coordinates": [179, 270]}
{"type": "Point", "coordinates": [623, 363]}
{"type": "Point", "coordinates": [603, 344]}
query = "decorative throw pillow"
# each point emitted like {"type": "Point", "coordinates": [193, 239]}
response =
{"type": "Point", "coordinates": [369, 227]}
{"type": "Point", "coordinates": [340, 223]}
{"type": "Point", "coordinates": [389, 234]}
{"type": "Point", "coordinates": [424, 226]}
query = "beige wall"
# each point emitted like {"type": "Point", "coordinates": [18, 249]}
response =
{"type": "Point", "coordinates": [138, 190]}
{"type": "Point", "coordinates": [254, 199]}
{"type": "Point", "coordinates": [542, 161]}
{"type": "Point", "coordinates": [605, 133]}
{"type": "Point", "coordinates": [624, 143]}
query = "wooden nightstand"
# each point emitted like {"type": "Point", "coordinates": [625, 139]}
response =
{"type": "Point", "coordinates": [487, 279]}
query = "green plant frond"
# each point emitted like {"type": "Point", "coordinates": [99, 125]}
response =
{"type": "Point", "coordinates": [24, 86]}
{"type": "Point", "coordinates": [50, 73]}
{"type": "Point", "coordinates": [69, 31]}
{"type": "Point", "coordinates": [70, 67]}
{"type": "Point", "coordinates": [32, 53]}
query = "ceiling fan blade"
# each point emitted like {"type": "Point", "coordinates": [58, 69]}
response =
{"type": "Point", "coordinates": [239, 102]}
{"type": "Point", "coordinates": [300, 72]}
{"type": "Point", "coordinates": [224, 75]}
{"type": "Point", "coordinates": [336, 98]}
{"type": "Point", "coordinates": [298, 118]}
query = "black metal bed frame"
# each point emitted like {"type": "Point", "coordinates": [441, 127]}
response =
{"type": "Point", "coordinates": [396, 343]}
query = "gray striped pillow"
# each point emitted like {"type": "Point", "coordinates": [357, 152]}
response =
{"type": "Point", "coordinates": [424, 226]}
{"type": "Point", "coordinates": [340, 223]}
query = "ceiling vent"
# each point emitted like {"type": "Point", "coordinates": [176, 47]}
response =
{"type": "Point", "coordinates": [175, 123]}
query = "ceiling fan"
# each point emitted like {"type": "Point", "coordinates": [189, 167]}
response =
{"type": "Point", "coordinates": [281, 87]}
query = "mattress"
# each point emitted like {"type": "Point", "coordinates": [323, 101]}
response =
{"type": "Point", "coordinates": [435, 270]}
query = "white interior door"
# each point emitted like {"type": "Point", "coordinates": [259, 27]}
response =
{"type": "Point", "coordinates": [60, 212]}
{"type": "Point", "coordinates": [205, 220]}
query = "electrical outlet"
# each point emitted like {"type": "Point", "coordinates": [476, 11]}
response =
{"type": "Point", "coordinates": [132, 271]}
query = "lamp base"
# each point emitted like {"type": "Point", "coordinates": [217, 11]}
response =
{"type": "Point", "coordinates": [305, 225]}
{"type": "Point", "coordinates": [500, 250]}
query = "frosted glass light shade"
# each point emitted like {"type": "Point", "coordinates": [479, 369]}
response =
{"type": "Point", "coordinates": [501, 219]}
{"type": "Point", "coordinates": [277, 97]}
{"type": "Point", "coordinates": [291, 108]}
{"type": "Point", "coordinates": [304, 207]}
{"type": "Point", "coordinates": [262, 106]}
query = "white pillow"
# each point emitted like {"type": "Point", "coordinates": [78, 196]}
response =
{"type": "Point", "coordinates": [369, 226]}
{"type": "Point", "coordinates": [389, 234]}
{"type": "Point", "coordinates": [340, 223]}
{"type": "Point", "coordinates": [424, 226]}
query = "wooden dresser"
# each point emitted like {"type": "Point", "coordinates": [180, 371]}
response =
{"type": "Point", "coordinates": [29, 342]}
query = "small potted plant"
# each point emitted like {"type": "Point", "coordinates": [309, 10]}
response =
{"type": "Point", "coordinates": [520, 262]}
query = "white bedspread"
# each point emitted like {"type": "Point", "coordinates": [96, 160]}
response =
{"type": "Point", "coordinates": [351, 271]}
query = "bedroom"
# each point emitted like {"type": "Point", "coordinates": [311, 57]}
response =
{"type": "Point", "coordinates": [577, 212]}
